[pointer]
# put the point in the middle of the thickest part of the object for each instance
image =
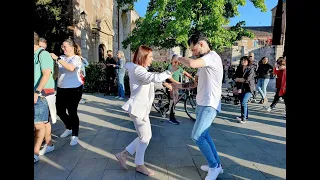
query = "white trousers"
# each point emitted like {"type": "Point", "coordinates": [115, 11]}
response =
{"type": "Point", "coordinates": [140, 144]}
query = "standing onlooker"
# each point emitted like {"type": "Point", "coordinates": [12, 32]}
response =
{"type": "Point", "coordinates": [245, 75]}
{"type": "Point", "coordinates": [210, 73]}
{"type": "Point", "coordinates": [51, 99]}
{"type": "Point", "coordinates": [121, 71]}
{"type": "Point", "coordinates": [43, 43]}
{"type": "Point", "coordinates": [139, 105]}
{"type": "Point", "coordinates": [174, 93]}
{"type": "Point", "coordinates": [280, 71]}
{"type": "Point", "coordinates": [43, 86]}
{"type": "Point", "coordinates": [69, 89]}
{"type": "Point", "coordinates": [255, 65]}
{"type": "Point", "coordinates": [225, 70]}
{"type": "Point", "coordinates": [110, 73]}
{"type": "Point", "coordinates": [264, 74]}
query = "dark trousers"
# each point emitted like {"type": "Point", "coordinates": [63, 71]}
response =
{"type": "Point", "coordinates": [68, 99]}
{"type": "Point", "coordinates": [276, 99]}
{"type": "Point", "coordinates": [111, 84]}
{"type": "Point", "coordinates": [172, 105]}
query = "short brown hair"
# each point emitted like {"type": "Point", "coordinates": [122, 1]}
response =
{"type": "Point", "coordinates": [43, 40]}
{"type": "Point", "coordinates": [140, 55]}
{"type": "Point", "coordinates": [281, 61]}
{"type": "Point", "coordinates": [35, 38]}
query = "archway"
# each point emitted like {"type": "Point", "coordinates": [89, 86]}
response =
{"type": "Point", "coordinates": [102, 50]}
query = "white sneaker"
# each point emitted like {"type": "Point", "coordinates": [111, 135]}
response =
{"type": "Point", "coordinates": [120, 98]}
{"type": "Point", "coordinates": [46, 149]}
{"type": "Point", "coordinates": [116, 97]}
{"type": "Point", "coordinates": [74, 140]}
{"type": "Point", "coordinates": [66, 133]}
{"type": "Point", "coordinates": [213, 173]}
{"type": "Point", "coordinates": [35, 158]}
{"type": "Point", "coordinates": [82, 101]}
{"type": "Point", "coordinates": [269, 109]}
{"type": "Point", "coordinates": [206, 168]}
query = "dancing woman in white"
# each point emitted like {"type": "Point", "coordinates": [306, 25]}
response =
{"type": "Point", "coordinates": [139, 105]}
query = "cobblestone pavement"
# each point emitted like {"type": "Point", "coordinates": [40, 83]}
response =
{"type": "Point", "coordinates": [255, 150]}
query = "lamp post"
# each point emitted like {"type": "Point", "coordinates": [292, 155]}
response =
{"type": "Point", "coordinates": [83, 31]}
{"type": "Point", "coordinates": [95, 34]}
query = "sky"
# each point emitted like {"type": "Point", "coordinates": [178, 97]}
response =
{"type": "Point", "coordinates": [248, 13]}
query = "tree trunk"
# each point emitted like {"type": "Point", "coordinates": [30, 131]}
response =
{"type": "Point", "coordinates": [277, 26]}
{"type": "Point", "coordinates": [183, 51]}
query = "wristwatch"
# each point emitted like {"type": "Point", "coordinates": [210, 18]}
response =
{"type": "Point", "coordinates": [37, 92]}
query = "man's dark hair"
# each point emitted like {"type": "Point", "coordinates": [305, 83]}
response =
{"type": "Point", "coordinates": [35, 38]}
{"type": "Point", "coordinates": [43, 40]}
{"type": "Point", "coordinates": [195, 38]}
{"type": "Point", "coordinates": [109, 51]}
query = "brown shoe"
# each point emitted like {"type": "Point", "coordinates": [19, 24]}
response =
{"type": "Point", "coordinates": [122, 159]}
{"type": "Point", "coordinates": [144, 170]}
{"type": "Point", "coordinates": [265, 100]}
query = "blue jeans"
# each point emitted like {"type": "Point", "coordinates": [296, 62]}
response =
{"type": "Point", "coordinates": [262, 87]}
{"type": "Point", "coordinates": [244, 98]}
{"type": "Point", "coordinates": [121, 85]}
{"type": "Point", "coordinates": [41, 110]}
{"type": "Point", "coordinates": [201, 135]}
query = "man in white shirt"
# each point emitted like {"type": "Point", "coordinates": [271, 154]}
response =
{"type": "Point", "coordinates": [210, 73]}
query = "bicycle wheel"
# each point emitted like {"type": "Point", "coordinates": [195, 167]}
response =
{"type": "Point", "coordinates": [161, 102]}
{"type": "Point", "coordinates": [190, 106]}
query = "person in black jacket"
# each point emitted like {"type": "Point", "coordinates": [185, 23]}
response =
{"type": "Point", "coordinates": [255, 64]}
{"type": "Point", "coordinates": [110, 74]}
{"type": "Point", "coordinates": [264, 73]}
{"type": "Point", "coordinates": [245, 79]}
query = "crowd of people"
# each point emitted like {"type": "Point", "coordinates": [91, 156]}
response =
{"type": "Point", "coordinates": [61, 96]}
{"type": "Point", "coordinates": [250, 76]}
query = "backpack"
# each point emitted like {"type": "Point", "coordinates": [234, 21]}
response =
{"type": "Point", "coordinates": [55, 66]}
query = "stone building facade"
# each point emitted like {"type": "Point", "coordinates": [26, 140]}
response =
{"type": "Point", "coordinates": [284, 19]}
{"type": "Point", "coordinates": [124, 23]}
{"type": "Point", "coordinates": [101, 28]}
{"type": "Point", "coordinates": [260, 45]}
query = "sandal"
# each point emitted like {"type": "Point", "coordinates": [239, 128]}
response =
{"type": "Point", "coordinates": [148, 173]}
{"type": "Point", "coordinates": [122, 160]}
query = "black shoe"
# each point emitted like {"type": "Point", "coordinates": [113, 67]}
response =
{"type": "Point", "coordinates": [261, 101]}
{"type": "Point", "coordinates": [174, 121]}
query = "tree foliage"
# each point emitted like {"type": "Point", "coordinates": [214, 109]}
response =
{"type": "Point", "coordinates": [169, 23]}
{"type": "Point", "coordinates": [52, 18]}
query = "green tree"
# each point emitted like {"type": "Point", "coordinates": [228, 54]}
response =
{"type": "Point", "coordinates": [52, 19]}
{"type": "Point", "coordinates": [169, 23]}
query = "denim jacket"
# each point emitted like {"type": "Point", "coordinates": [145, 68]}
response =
{"type": "Point", "coordinates": [120, 69]}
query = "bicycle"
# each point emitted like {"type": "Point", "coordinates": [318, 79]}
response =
{"type": "Point", "coordinates": [161, 102]}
